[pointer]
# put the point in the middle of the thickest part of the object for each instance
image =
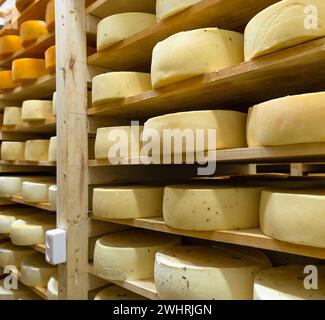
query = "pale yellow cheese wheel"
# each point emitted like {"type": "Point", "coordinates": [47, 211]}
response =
{"type": "Point", "coordinates": [54, 108]}
{"type": "Point", "coordinates": [12, 116]}
{"type": "Point", "coordinates": [284, 24]}
{"type": "Point", "coordinates": [112, 86]}
{"type": "Point", "coordinates": [118, 27]}
{"type": "Point", "coordinates": [12, 151]}
{"type": "Point", "coordinates": [129, 255]}
{"type": "Point", "coordinates": [168, 8]}
{"type": "Point", "coordinates": [53, 288]}
{"type": "Point", "coordinates": [11, 255]}
{"type": "Point", "coordinates": [37, 150]}
{"type": "Point", "coordinates": [36, 110]}
{"type": "Point", "coordinates": [52, 149]}
{"type": "Point", "coordinates": [52, 197]}
{"type": "Point", "coordinates": [295, 216]}
{"type": "Point", "coordinates": [36, 192]}
{"type": "Point", "coordinates": [192, 53]}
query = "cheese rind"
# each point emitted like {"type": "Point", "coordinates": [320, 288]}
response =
{"type": "Point", "coordinates": [37, 150]}
{"type": "Point", "coordinates": [12, 151]}
{"type": "Point", "coordinates": [204, 208]}
{"type": "Point", "coordinates": [12, 116]}
{"type": "Point", "coordinates": [192, 53]}
{"type": "Point", "coordinates": [9, 186]}
{"type": "Point", "coordinates": [31, 31]}
{"type": "Point", "coordinates": [229, 126]}
{"type": "Point", "coordinates": [31, 230]}
{"type": "Point", "coordinates": [36, 110]}
{"type": "Point", "coordinates": [36, 192]}
{"type": "Point", "coordinates": [11, 255]}
{"type": "Point", "coordinates": [129, 255]}
{"type": "Point", "coordinates": [118, 27]}
{"type": "Point", "coordinates": [206, 273]}
{"type": "Point", "coordinates": [53, 288]}
{"type": "Point", "coordinates": [54, 104]}
{"type": "Point", "coordinates": [118, 85]}
{"type": "Point", "coordinates": [287, 283]}
{"type": "Point", "coordinates": [52, 197]}
{"type": "Point", "coordinates": [52, 149]}
{"type": "Point", "coordinates": [25, 70]}
{"type": "Point", "coordinates": [6, 82]}
{"type": "Point", "coordinates": [168, 8]}
{"type": "Point", "coordinates": [103, 144]}
{"type": "Point", "coordinates": [9, 45]}
{"type": "Point", "coordinates": [117, 293]}
{"type": "Point", "coordinates": [284, 24]}
{"type": "Point", "coordinates": [50, 15]}
{"type": "Point", "coordinates": [287, 120]}
{"type": "Point", "coordinates": [35, 272]}
{"type": "Point", "coordinates": [294, 216]}
{"type": "Point", "coordinates": [50, 59]}
{"type": "Point", "coordinates": [127, 202]}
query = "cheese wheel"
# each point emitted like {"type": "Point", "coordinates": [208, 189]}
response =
{"type": "Point", "coordinates": [287, 283]}
{"type": "Point", "coordinates": [294, 216]}
{"type": "Point", "coordinates": [192, 53]}
{"type": "Point", "coordinates": [52, 197]}
{"type": "Point", "coordinates": [129, 255]}
{"type": "Point", "coordinates": [208, 273]}
{"type": "Point", "coordinates": [22, 4]}
{"type": "Point", "coordinates": [127, 202]}
{"type": "Point", "coordinates": [103, 144]}
{"type": "Point", "coordinates": [52, 149]}
{"type": "Point", "coordinates": [25, 70]}
{"type": "Point", "coordinates": [54, 104]}
{"type": "Point", "coordinates": [167, 8]}
{"type": "Point", "coordinates": [11, 116]}
{"type": "Point", "coordinates": [284, 24]}
{"type": "Point", "coordinates": [118, 27]}
{"type": "Point", "coordinates": [50, 59]}
{"type": "Point", "coordinates": [6, 82]}
{"type": "Point", "coordinates": [9, 216]}
{"type": "Point", "coordinates": [230, 128]}
{"type": "Point", "coordinates": [31, 230]}
{"type": "Point", "coordinates": [21, 293]}
{"type": "Point", "coordinates": [53, 288]}
{"type": "Point", "coordinates": [11, 255]}
{"type": "Point", "coordinates": [112, 86]}
{"type": "Point", "coordinates": [207, 208]}
{"type": "Point", "coordinates": [288, 120]}
{"type": "Point", "coordinates": [117, 293]}
{"type": "Point", "coordinates": [12, 151]}
{"type": "Point", "coordinates": [50, 15]}
{"type": "Point", "coordinates": [31, 31]}
{"type": "Point", "coordinates": [35, 272]}
{"type": "Point", "coordinates": [36, 110]}
{"type": "Point", "coordinates": [37, 150]}
{"type": "Point", "coordinates": [9, 45]}
{"type": "Point", "coordinates": [36, 192]}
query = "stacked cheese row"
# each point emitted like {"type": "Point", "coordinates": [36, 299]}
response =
{"type": "Point", "coordinates": [31, 150]}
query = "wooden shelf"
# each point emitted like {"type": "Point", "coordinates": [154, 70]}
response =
{"type": "Point", "coordinates": [295, 70]}
{"type": "Point", "coordinates": [43, 126]}
{"type": "Point", "coordinates": [28, 163]}
{"type": "Point", "coordinates": [36, 50]}
{"type": "Point", "coordinates": [135, 52]}
{"type": "Point", "coordinates": [250, 237]}
{"type": "Point", "coordinates": [145, 288]}
{"type": "Point", "coordinates": [39, 89]}
{"type": "Point", "coordinates": [43, 206]}
{"type": "Point", "coordinates": [38, 247]}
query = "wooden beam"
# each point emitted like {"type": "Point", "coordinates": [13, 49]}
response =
{"type": "Point", "coordinates": [71, 84]}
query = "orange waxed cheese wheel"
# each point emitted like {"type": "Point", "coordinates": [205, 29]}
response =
{"type": "Point", "coordinates": [6, 82]}
{"type": "Point", "coordinates": [25, 70]}
{"type": "Point", "coordinates": [50, 59]}
{"type": "Point", "coordinates": [9, 45]}
{"type": "Point", "coordinates": [31, 31]}
{"type": "Point", "coordinates": [50, 15]}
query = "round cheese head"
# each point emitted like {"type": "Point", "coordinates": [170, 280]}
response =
{"type": "Point", "coordinates": [36, 192]}
{"type": "Point", "coordinates": [52, 149]}
{"type": "Point", "coordinates": [31, 31]}
{"type": "Point", "coordinates": [295, 216]}
{"type": "Point", "coordinates": [118, 27]}
{"type": "Point", "coordinates": [11, 255]}
{"type": "Point", "coordinates": [53, 288]}
{"type": "Point", "coordinates": [117, 293]}
{"type": "Point", "coordinates": [12, 151]}
{"type": "Point", "coordinates": [192, 53]}
{"type": "Point", "coordinates": [113, 86]}
{"type": "Point", "coordinates": [287, 120]}
{"type": "Point", "coordinates": [208, 273]}
{"type": "Point", "coordinates": [6, 82]}
{"type": "Point", "coordinates": [25, 70]}
{"type": "Point", "coordinates": [129, 255]}
{"type": "Point", "coordinates": [10, 186]}
{"type": "Point", "coordinates": [11, 116]}
{"type": "Point", "coordinates": [287, 283]}
{"type": "Point", "coordinates": [36, 110]}
{"type": "Point", "coordinates": [168, 8]}
{"type": "Point", "coordinates": [50, 59]}
{"type": "Point", "coordinates": [208, 208]}
{"type": "Point", "coordinates": [37, 150]}
{"type": "Point", "coordinates": [9, 216]}
{"type": "Point", "coordinates": [284, 24]}
{"type": "Point", "coordinates": [52, 197]}
{"type": "Point", "coordinates": [9, 45]}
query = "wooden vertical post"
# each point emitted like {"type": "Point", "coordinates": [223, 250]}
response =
{"type": "Point", "coordinates": [72, 167]}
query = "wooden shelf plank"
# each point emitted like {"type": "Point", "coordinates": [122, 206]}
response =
{"type": "Point", "coordinates": [250, 237]}
{"type": "Point", "coordinates": [135, 52]}
{"type": "Point", "coordinates": [43, 126]}
{"type": "Point", "coordinates": [291, 153]}
{"type": "Point", "coordinates": [295, 70]}
{"type": "Point", "coordinates": [43, 206]}
{"type": "Point", "coordinates": [39, 247]}
{"type": "Point", "coordinates": [39, 89]}
{"type": "Point", "coordinates": [40, 291]}
{"type": "Point", "coordinates": [28, 163]}
{"type": "Point", "coordinates": [35, 50]}
{"type": "Point", "coordinates": [104, 8]}
{"type": "Point", "coordinates": [145, 288]}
